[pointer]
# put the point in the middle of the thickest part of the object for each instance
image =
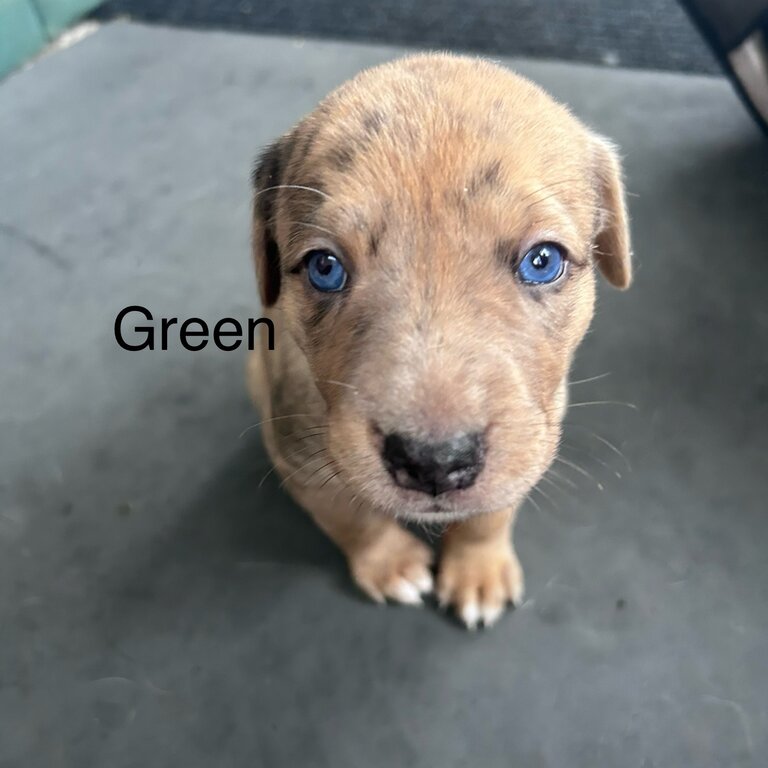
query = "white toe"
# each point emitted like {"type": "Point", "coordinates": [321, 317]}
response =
{"type": "Point", "coordinates": [491, 614]}
{"type": "Point", "coordinates": [405, 592]}
{"type": "Point", "coordinates": [425, 583]}
{"type": "Point", "coordinates": [470, 615]}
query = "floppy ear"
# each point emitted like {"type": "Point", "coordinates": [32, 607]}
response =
{"type": "Point", "coordinates": [266, 255]}
{"type": "Point", "coordinates": [612, 245]}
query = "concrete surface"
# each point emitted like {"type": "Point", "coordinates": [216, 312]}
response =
{"type": "Point", "coordinates": [158, 609]}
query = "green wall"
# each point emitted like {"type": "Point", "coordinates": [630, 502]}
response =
{"type": "Point", "coordinates": [27, 26]}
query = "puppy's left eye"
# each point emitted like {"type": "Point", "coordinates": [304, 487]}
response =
{"type": "Point", "coordinates": [544, 263]}
{"type": "Point", "coordinates": [325, 272]}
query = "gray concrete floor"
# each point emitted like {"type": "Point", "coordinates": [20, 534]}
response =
{"type": "Point", "coordinates": [158, 609]}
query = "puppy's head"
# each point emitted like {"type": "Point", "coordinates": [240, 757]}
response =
{"type": "Point", "coordinates": [428, 235]}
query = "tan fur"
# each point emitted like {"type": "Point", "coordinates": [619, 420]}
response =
{"type": "Point", "coordinates": [431, 176]}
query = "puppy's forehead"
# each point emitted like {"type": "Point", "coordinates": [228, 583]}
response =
{"type": "Point", "coordinates": [434, 120]}
{"type": "Point", "coordinates": [437, 146]}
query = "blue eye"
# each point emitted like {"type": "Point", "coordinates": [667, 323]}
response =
{"type": "Point", "coordinates": [544, 263]}
{"type": "Point", "coordinates": [325, 271]}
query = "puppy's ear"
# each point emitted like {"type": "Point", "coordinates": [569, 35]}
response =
{"type": "Point", "coordinates": [267, 174]}
{"type": "Point", "coordinates": [612, 242]}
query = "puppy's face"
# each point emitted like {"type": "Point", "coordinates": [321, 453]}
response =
{"type": "Point", "coordinates": [428, 236]}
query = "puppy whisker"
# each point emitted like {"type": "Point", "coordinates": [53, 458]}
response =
{"type": "Point", "coordinates": [302, 467]}
{"type": "Point", "coordinates": [608, 444]}
{"type": "Point", "coordinates": [604, 402]}
{"type": "Point", "coordinates": [273, 468]}
{"type": "Point", "coordinates": [311, 435]}
{"type": "Point", "coordinates": [596, 459]}
{"type": "Point", "coordinates": [545, 187]}
{"type": "Point", "coordinates": [338, 383]}
{"type": "Point", "coordinates": [562, 478]}
{"type": "Point", "coordinates": [545, 478]}
{"type": "Point", "coordinates": [292, 186]}
{"type": "Point", "coordinates": [319, 469]}
{"type": "Point", "coordinates": [315, 226]}
{"type": "Point", "coordinates": [330, 477]}
{"type": "Point", "coordinates": [268, 421]}
{"type": "Point", "coordinates": [305, 433]}
{"type": "Point", "coordinates": [580, 470]}
{"type": "Point", "coordinates": [344, 384]}
{"type": "Point", "coordinates": [555, 507]}
{"type": "Point", "coordinates": [533, 501]}
{"type": "Point", "coordinates": [591, 378]}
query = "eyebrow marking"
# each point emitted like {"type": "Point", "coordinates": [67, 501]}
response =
{"type": "Point", "coordinates": [304, 143]}
{"type": "Point", "coordinates": [374, 237]}
{"type": "Point", "coordinates": [486, 177]}
{"type": "Point", "coordinates": [374, 121]}
{"type": "Point", "coordinates": [341, 157]}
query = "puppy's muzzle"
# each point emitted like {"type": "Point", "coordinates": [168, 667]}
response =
{"type": "Point", "coordinates": [434, 467]}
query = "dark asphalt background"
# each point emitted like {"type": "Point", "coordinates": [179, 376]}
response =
{"type": "Point", "coordinates": [652, 34]}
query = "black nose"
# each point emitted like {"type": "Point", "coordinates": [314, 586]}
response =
{"type": "Point", "coordinates": [434, 468]}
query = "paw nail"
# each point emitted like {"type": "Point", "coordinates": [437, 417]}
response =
{"type": "Point", "coordinates": [425, 584]}
{"type": "Point", "coordinates": [470, 615]}
{"type": "Point", "coordinates": [405, 592]}
{"type": "Point", "coordinates": [491, 614]}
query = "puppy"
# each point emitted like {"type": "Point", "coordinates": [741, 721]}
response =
{"type": "Point", "coordinates": [424, 243]}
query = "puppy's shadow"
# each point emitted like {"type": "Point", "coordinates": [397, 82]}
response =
{"type": "Point", "coordinates": [231, 552]}
{"type": "Point", "coordinates": [244, 515]}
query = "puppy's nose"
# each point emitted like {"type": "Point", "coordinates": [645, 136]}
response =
{"type": "Point", "coordinates": [434, 468]}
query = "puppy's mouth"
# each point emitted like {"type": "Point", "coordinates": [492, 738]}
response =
{"type": "Point", "coordinates": [438, 511]}
{"type": "Point", "coordinates": [454, 505]}
{"type": "Point", "coordinates": [441, 480]}
{"type": "Point", "coordinates": [428, 501]}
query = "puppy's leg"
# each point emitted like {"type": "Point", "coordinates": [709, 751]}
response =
{"type": "Point", "coordinates": [479, 572]}
{"type": "Point", "coordinates": [385, 560]}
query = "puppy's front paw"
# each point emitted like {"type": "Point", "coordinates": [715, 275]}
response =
{"type": "Point", "coordinates": [395, 566]}
{"type": "Point", "coordinates": [478, 579]}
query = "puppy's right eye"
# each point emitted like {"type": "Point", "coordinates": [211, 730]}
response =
{"type": "Point", "coordinates": [325, 272]}
{"type": "Point", "coordinates": [542, 264]}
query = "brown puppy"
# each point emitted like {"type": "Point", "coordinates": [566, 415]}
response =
{"type": "Point", "coordinates": [424, 242]}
